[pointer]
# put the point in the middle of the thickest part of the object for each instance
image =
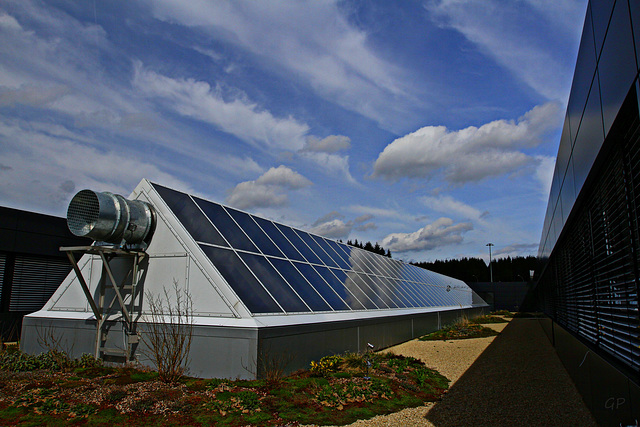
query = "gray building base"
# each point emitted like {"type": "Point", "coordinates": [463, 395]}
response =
{"type": "Point", "coordinates": [611, 396]}
{"type": "Point", "coordinates": [246, 353]}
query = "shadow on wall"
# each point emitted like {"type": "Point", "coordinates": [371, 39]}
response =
{"type": "Point", "coordinates": [517, 380]}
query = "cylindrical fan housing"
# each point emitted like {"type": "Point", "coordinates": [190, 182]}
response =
{"type": "Point", "coordinates": [110, 218]}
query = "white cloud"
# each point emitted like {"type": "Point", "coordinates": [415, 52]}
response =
{"type": "Point", "coordinates": [322, 152]}
{"type": "Point", "coordinates": [514, 39]}
{"type": "Point", "coordinates": [332, 226]}
{"type": "Point", "coordinates": [269, 190]}
{"type": "Point", "coordinates": [311, 40]}
{"type": "Point", "coordinates": [64, 164]}
{"type": "Point", "coordinates": [330, 144]}
{"type": "Point", "coordinates": [448, 205]}
{"type": "Point", "coordinates": [239, 117]}
{"type": "Point", "coordinates": [441, 232]}
{"type": "Point", "coordinates": [470, 154]}
{"type": "Point", "coordinates": [544, 174]}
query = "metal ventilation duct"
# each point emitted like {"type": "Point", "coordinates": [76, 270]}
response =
{"type": "Point", "coordinates": [110, 218]}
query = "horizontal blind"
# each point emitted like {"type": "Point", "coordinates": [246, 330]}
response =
{"type": "Point", "coordinates": [35, 279]}
{"type": "Point", "coordinates": [3, 263]}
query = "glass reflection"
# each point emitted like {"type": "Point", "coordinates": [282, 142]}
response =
{"type": "Point", "coordinates": [337, 280]}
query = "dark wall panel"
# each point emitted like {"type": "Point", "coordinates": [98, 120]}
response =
{"type": "Point", "coordinates": [617, 66]}
{"type": "Point", "coordinates": [582, 78]}
{"type": "Point", "coordinates": [589, 138]}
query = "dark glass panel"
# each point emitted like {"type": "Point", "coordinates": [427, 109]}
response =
{"type": "Point", "coordinates": [357, 287]}
{"type": "Point", "coordinates": [338, 254]}
{"type": "Point", "coordinates": [410, 290]}
{"type": "Point", "coordinates": [277, 286]}
{"type": "Point", "coordinates": [617, 64]}
{"type": "Point", "coordinates": [564, 150]}
{"type": "Point", "coordinates": [190, 216]}
{"type": "Point", "coordinates": [375, 283]}
{"type": "Point", "coordinates": [300, 284]}
{"type": "Point", "coordinates": [315, 247]}
{"type": "Point", "coordinates": [310, 273]}
{"type": "Point", "coordinates": [397, 293]}
{"type": "Point", "coordinates": [225, 225]}
{"type": "Point", "coordinates": [334, 260]}
{"type": "Point", "coordinates": [582, 78]}
{"type": "Point", "coordinates": [299, 244]}
{"type": "Point", "coordinates": [373, 291]}
{"type": "Point", "coordinates": [358, 262]}
{"type": "Point", "coordinates": [243, 283]}
{"type": "Point", "coordinates": [408, 294]}
{"type": "Point", "coordinates": [435, 293]}
{"type": "Point", "coordinates": [424, 299]}
{"type": "Point", "coordinates": [601, 12]}
{"type": "Point", "coordinates": [279, 239]}
{"type": "Point", "coordinates": [344, 251]}
{"type": "Point", "coordinates": [410, 272]}
{"type": "Point", "coordinates": [589, 139]}
{"type": "Point", "coordinates": [338, 285]}
{"type": "Point", "coordinates": [635, 24]}
{"type": "Point", "coordinates": [257, 235]}
{"type": "Point", "coordinates": [371, 260]}
{"type": "Point", "coordinates": [568, 192]}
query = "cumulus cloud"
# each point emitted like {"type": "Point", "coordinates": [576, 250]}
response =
{"type": "Point", "coordinates": [269, 190]}
{"type": "Point", "coordinates": [441, 232]}
{"type": "Point", "coordinates": [470, 154]}
{"type": "Point", "coordinates": [324, 153]}
{"type": "Point", "coordinates": [239, 117]}
{"type": "Point", "coordinates": [330, 144]}
{"type": "Point", "coordinates": [332, 225]}
{"type": "Point", "coordinates": [313, 41]}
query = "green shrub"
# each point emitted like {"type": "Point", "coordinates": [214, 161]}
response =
{"type": "Point", "coordinates": [326, 365]}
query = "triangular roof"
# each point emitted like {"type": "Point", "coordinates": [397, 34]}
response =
{"type": "Point", "coordinates": [239, 266]}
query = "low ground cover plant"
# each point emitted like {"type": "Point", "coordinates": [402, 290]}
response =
{"type": "Point", "coordinates": [335, 390]}
{"type": "Point", "coordinates": [483, 320]}
{"type": "Point", "coordinates": [462, 329]}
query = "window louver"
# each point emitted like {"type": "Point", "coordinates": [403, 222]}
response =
{"type": "Point", "coordinates": [34, 281]}
{"type": "Point", "coordinates": [590, 286]}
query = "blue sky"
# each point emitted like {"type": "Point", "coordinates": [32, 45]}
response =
{"type": "Point", "coordinates": [429, 126]}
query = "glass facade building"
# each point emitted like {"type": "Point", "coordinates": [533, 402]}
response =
{"type": "Point", "coordinates": [588, 278]}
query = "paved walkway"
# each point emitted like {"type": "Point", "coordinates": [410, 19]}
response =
{"type": "Point", "coordinates": [517, 381]}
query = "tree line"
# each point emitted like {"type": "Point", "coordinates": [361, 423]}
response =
{"type": "Point", "coordinates": [375, 248]}
{"type": "Point", "coordinates": [507, 269]}
{"type": "Point", "coordinates": [516, 269]}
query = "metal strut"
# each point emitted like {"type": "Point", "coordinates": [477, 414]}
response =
{"type": "Point", "coordinates": [125, 295]}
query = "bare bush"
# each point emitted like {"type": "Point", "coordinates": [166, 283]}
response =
{"type": "Point", "coordinates": [169, 329]}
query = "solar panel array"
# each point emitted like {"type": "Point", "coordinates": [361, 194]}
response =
{"type": "Point", "coordinates": [277, 269]}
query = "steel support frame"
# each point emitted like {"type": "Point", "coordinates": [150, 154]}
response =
{"type": "Point", "coordinates": [99, 309]}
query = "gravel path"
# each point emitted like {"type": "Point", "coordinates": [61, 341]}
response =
{"type": "Point", "coordinates": [513, 379]}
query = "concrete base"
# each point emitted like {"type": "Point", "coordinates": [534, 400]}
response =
{"type": "Point", "coordinates": [245, 352]}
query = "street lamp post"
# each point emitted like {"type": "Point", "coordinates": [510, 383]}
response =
{"type": "Point", "coordinates": [490, 269]}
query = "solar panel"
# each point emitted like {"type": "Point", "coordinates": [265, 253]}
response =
{"type": "Point", "coordinates": [275, 269]}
